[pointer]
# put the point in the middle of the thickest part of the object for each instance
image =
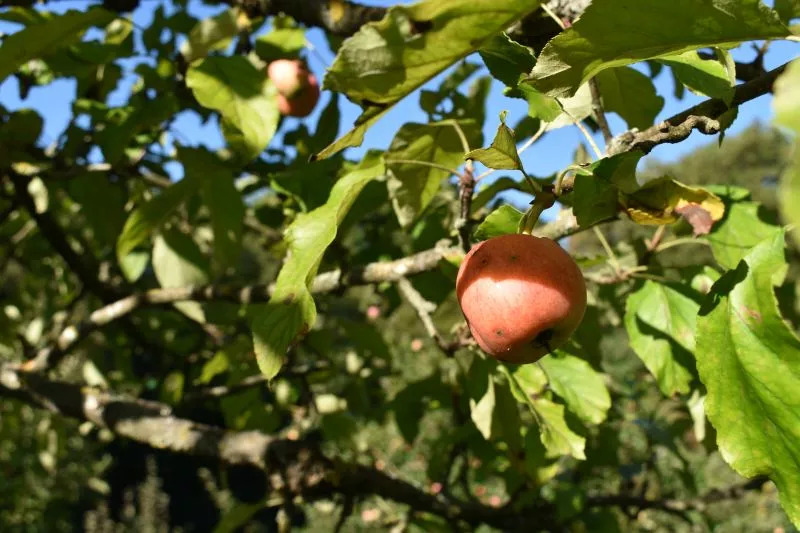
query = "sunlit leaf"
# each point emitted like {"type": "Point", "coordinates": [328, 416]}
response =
{"type": "Point", "coordinates": [706, 77]}
{"type": "Point", "coordinates": [502, 154]}
{"type": "Point", "coordinates": [613, 33]}
{"type": "Point", "coordinates": [748, 359]}
{"type": "Point", "coordinates": [661, 327]}
{"type": "Point", "coordinates": [178, 262]}
{"type": "Point", "coordinates": [48, 35]}
{"type": "Point", "coordinates": [386, 60]}
{"type": "Point", "coordinates": [291, 311]}
{"type": "Point", "coordinates": [412, 184]}
{"type": "Point", "coordinates": [213, 33]}
{"type": "Point", "coordinates": [501, 221]}
{"type": "Point", "coordinates": [787, 113]}
{"type": "Point", "coordinates": [579, 385]}
{"type": "Point", "coordinates": [745, 225]}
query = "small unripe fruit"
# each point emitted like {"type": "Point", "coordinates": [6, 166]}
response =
{"type": "Point", "coordinates": [373, 312]}
{"type": "Point", "coordinates": [298, 89]}
{"type": "Point", "coordinates": [522, 296]}
{"type": "Point", "coordinates": [416, 345]}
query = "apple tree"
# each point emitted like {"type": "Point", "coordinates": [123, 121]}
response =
{"type": "Point", "coordinates": [259, 328]}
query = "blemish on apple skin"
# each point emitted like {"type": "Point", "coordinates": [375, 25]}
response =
{"type": "Point", "coordinates": [499, 332]}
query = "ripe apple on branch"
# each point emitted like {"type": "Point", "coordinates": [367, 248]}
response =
{"type": "Point", "coordinates": [298, 89]}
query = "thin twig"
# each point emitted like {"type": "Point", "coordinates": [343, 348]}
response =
{"type": "Point", "coordinates": [599, 111]}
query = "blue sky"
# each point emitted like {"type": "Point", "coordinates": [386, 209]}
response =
{"type": "Point", "coordinates": [552, 153]}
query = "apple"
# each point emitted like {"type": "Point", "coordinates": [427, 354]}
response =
{"type": "Point", "coordinates": [298, 89]}
{"type": "Point", "coordinates": [522, 296]}
{"type": "Point", "coordinates": [373, 312]}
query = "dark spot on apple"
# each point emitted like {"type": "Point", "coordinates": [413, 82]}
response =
{"type": "Point", "coordinates": [499, 332]}
{"type": "Point", "coordinates": [513, 258]}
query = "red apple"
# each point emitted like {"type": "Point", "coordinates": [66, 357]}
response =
{"type": "Point", "coordinates": [522, 296]}
{"type": "Point", "coordinates": [373, 312]}
{"type": "Point", "coordinates": [298, 89]}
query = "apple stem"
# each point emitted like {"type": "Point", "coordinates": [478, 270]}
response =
{"type": "Point", "coordinates": [543, 200]}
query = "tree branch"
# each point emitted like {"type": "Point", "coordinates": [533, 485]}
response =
{"type": "Point", "coordinates": [599, 112]}
{"type": "Point", "coordinates": [221, 391]}
{"type": "Point", "coordinates": [296, 468]}
{"type": "Point", "coordinates": [673, 505]}
{"type": "Point", "coordinates": [377, 272]}
{"type": "Point", "coordinates": [703, 117]}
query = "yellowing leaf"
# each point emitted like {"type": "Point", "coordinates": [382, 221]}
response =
{"type": "Point", "coordinates": [661, 202]}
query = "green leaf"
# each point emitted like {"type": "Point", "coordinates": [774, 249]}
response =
{"type": "Point", "coordinates": [596, 187]}
{"type": "Point", "coordinates": [178, 262]}
{"type": "Point", "coordinates": [701, 76]}
{"type": "Point", "coordinates": [527, 383]}
{"type": "Point", "coordinates": [502, 154]}
{"type": "Point", "coordinates": [581, 387]}
{"type": "Point", "coordinates": [664, 200]}
{"type": "Point", "coordinates": [227, 217]}
{"type": "Point", "coordinates": [223, 200]}
{"type": "Point", "coordinates": [661, 326]}
{"type": "Point", "coordinates": [747, 358]}
{"type": "Point", "coordinates": [281, 43]}
{"type": "Point", "coordinates": [631, 95]}
{"type": "Point", "coordinates": [172, 388]}
{"type": "Point", "coordinates": [501, 221]}
{"type": "Point", "coordinates": [291, 310]}
{"type": "Point", "coordinates": [413, 185]}
{"type": "Point", "coordinates": [556, 436]}
{"type": "Point", "coordinates": [537, 465]}
{"type": "Point", "coordinates": [102, 203]}
{"type": "Point", "coordinates": [386, 60]}
{"type": "Point", "coordinates": [243, 96]}
{"type": "Point", "coordinates": [787, 9]}
{"type": "Point", "coordinates": [594, 200]}
{"type": "Point", "coordinates": [47, 36]}
{"type": "Point", "coordinates": [745, 225]}
{"type": "Point", "coordinates": [213, 33]}
{"type": "Point", "coordinates": [612, 33]}
{"type": "Point", "coordinates": [492, 407]}
{"type": "Point", "coordinates": [488, 192]}
{"type": "Point", "coordinates": [482, 409]}
{"type": "Point", "coordinates": [411, 404]}
{"type": "Point", "coordinates": [148, 217]}
{"type": "Point", "coordinates": [787, 113]}
{"type": "Point", "coordinates": [134, 264]}
{"type": "Point", "coordinates": [506, 59]}
{"type": "Point", "coordinates": [572, 109]}
{"type": "Point", "coordinates": [237, 516]}
{"type": "Point", "coordinates": [355, 136]}
{"type": "Point", "coordinates": [213, 367]}
{"type": "Point", "coordinates": [541, 106]}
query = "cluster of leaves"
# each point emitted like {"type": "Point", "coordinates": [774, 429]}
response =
{"type": "Point", "coordinates": [622, 410]}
